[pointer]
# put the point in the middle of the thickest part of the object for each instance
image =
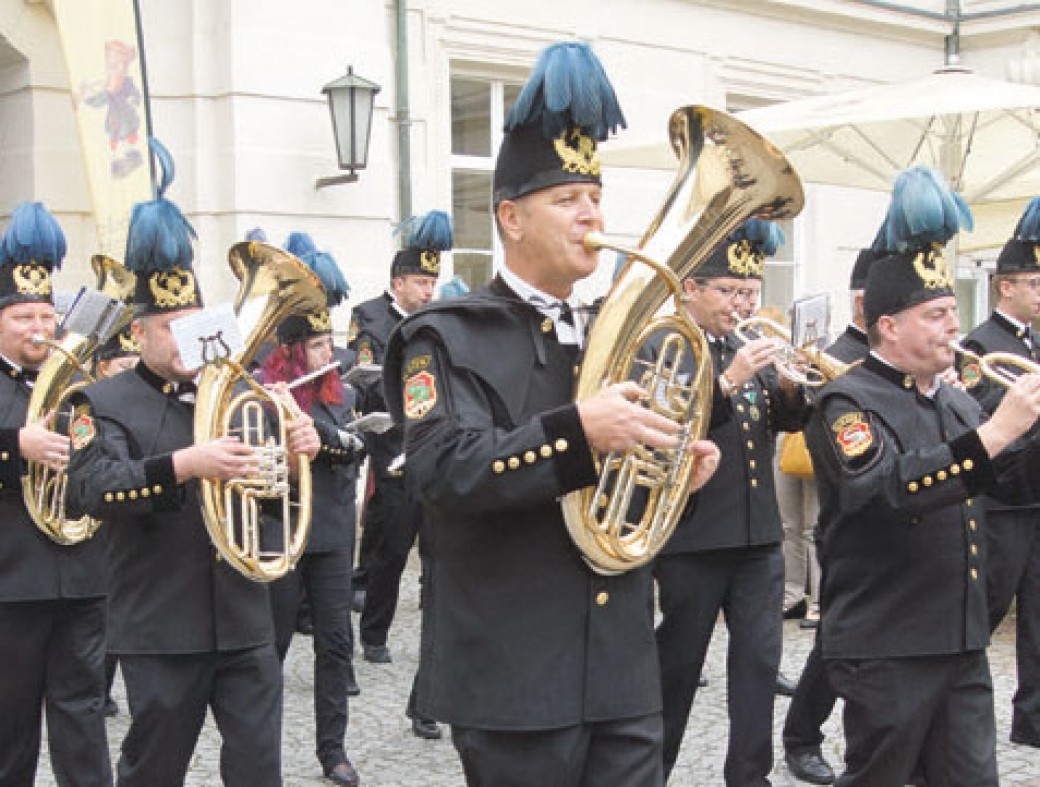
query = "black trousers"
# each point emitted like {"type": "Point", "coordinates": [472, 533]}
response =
{"type": "Point", "coordinates": [1013, 572]}
{"type": "Point", "coordinates": [326, 578]}
{"type": "Point", "coordinates": [624, 753]}
{"type": "Point", "coordinates": [935, 712]}
{"type": "Point", "coordinates": [747, 585]}
{"type": "Point", "coordinates": [811, 705]}
{"type": "Point", "coordinates": [52, 658]}
{"type": "Point", "coordinates": [169, 695]}
{"type": "Point", "coordinates": [395, 519]}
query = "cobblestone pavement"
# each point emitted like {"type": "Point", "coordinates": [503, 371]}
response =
{"type": "Point", "coordinates": [386, 754]}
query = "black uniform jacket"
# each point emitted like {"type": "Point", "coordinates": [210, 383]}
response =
{"type": "Point", "coordinates": [169, 592]}
{"type": "Point", "coordinates": [737, 507]}
{"type": "Point", "coordinates": [898, 475]}
{"type": "Point", "coordinates": [524, 635]}
{"type": "Point", "coordinates": [371, 324]}
{"type": "Point", "coordinates": [334, 473]}
{"type": "Point", "coordinates": [32, 566]}
{"type": "Point", "coordinates": [850, 346]}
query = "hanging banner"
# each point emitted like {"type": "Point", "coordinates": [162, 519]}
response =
{"type": "Point", "coordinates": [105, 62]}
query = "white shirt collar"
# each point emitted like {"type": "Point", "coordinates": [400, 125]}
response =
{"type": "Point", "coordinates": [549, 305]}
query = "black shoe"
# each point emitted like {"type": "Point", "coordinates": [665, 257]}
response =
{"type": "Point", "coordinates": [111, 708]}
{"type": "Point", "coordinates": [1025, 740]}
{"type": "Point", "coordinates": [809, 767]}
{"type": "Point", "coordinates": [809, 623]}
{"type": "Point", "coordinates": [702, 681]}
{"type": "Point", "coordinates": [785, 687]}
{"type": "Point", "coordinates": [796, 611]}
{"type": "Point", "coordinates": [343, 773]}
{"type": "Point", "coordinates": [357, 601]}
{"type": "Point", "coordinates": [353, 689]}
{"type": "Point", "coordinates": [426, 728]}
{"type": "Point", "coordinates": [377, 654]}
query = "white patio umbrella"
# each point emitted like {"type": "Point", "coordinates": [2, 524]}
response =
{"type": "Point", "coordinates": [982, 134]}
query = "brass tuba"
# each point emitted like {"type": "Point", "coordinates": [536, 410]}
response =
{"type": "Point", "coordinates": [727, 173]}
{"type": "Point", "coordinates": [273, 285]}
{"type": "Point", "coordinates": [808, 366]}
{"type": "Point", "coordinates": [44, 488]}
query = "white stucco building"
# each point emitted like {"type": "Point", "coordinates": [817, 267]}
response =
{"type": "Point", "coordinates": [236, 96]}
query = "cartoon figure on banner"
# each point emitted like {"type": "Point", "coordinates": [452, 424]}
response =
{"type": "Point", "coordinates": [118, 92]}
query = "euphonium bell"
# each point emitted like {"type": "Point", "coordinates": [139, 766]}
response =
{"type": "Point", "coordinates": [808, 366]}
{"type": "Point", "coordinates": [727, 173]}
{"type": "Point", "coordinates": [261, 546]}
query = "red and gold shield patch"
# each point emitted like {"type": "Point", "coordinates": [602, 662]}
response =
{"type": "Point", "coordinates": [420, 394]}
{"type": "Point", "coordinates": [971, 374]}
{"type": "Point", "coordinates": [82, 431]}
{"type": "Point", "coordinates": [853, 434]}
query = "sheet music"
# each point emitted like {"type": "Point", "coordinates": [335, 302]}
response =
{"type": "Point", "coordinates": [810, 321]}
{"type": "Point", "coordinates": [204, 335]}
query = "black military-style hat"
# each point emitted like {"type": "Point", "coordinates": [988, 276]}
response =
{"type": "Point", "coordinates": [32, 247]}
{"type": "Point", "coordinates": [923, 215]}
{"type": "Point", "coordinates": [742, 255]}
{"type": "Point", "coordinates": [866, 258]}
{"type": "Point", "coordinates": [159, 249]}
{"type": "Point", "coordinates": [566, 107]}
{"type": "Point", "coordinates": [1021, 254]}
{"type": "Point", "coordinates": [121, 344]}
{"type": "Point", "coordinates": [426, 237]}
{"type": "Point", "coordinates": [298, 327]}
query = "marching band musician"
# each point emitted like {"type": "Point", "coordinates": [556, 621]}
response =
{"type": "Point", "coordinates": [371, 323]}
{"type": "Point", "coordinates": [726, 553]}
{"type": "Point", "coordinates": [304, 347]}
{"type": "Point", "coordinates": [52, 597]}
{"type": "Point", "coordinates": [393, 518]}
{"type": "Point", "coordinates": [901, 457]}
{"type": "Point", "coordinates": [543, 668]}
{"type": "Point", "coordinates": [191, 633]}
{"type": "Point", "coordinates": [1013, 532]}
{"type": "Point", "coordinates": [814, 698]}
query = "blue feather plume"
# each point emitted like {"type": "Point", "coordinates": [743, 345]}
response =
{"type": "Point", "coordinates": [764, 235]}
{"type": "Point", "coordinates": [1028, 227]}
{"type": "Point", "coordinates": [256, 234]}
{"type": "Point", "coordinates": [324, 266]}
{"type": "Point", "coordinates": [300, 244]}
{"type": "Point", "coordinates": [33, 235]}
{"type": "Point", "coordinates": [159, 237]}
{"type": "Point", "coordinates": [454, 288]}
{"type": "Point", "coordinates": [924, 210]}
{"type": "Point", "coordinates": [431, 232]}
{"type": "Point", "coordinates": [568, 87]}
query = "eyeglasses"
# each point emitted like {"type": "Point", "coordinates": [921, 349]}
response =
{"type": "Point", "coordinates": [729, 293]}
{"type": "Point", "coordinates": [1032, 283]}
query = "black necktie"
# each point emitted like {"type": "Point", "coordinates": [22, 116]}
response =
{"type": "Point", "coordinates": [566, 313]}
{"type": "Point", "coordinates": [185, 392]}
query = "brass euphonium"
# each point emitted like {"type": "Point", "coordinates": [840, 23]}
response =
{"type": "Point", "coordinates": [727, 173]}
{"type": "Point", "coordinates": [809, 366]}
{"type": "Point", "coordinates": [43, 487]}
{"type": "Point", "coordinates": [273, 285]}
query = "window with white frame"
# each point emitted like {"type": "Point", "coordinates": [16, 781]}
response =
{"type": "Point", "coordinates": [478, 108]}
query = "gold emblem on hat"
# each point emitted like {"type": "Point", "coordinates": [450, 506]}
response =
{"type": "Point", "coordinates": [744, 260]}
{"type": "Point", "coordinates": [931, 267]}
{"type": "Point", "coordinates": [32, 279]}
{"type": "Point", "coordinates": [320, 322]}
{"type": "Point", "coordinates": [175, 287]}
{"type": "Point", "coordinates": [430, 262]}
{"type": "Point", "coordinates": [128, 344]}
{"type": "Point", "coordinates": [577, 152]}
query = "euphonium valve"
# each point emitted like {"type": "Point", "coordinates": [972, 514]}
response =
{"type": "Point", "coordinates": [258, 524]}
{"type": "Point", "coordinates": [727, 173]}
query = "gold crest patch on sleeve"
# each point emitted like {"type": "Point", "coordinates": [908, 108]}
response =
{"type": "Point", "coordinates": [853, 435]}
{"type": "Point", "coordinates": [971, 374]}
{"type": "Point", "coordinates": [420, 394]}
{"type": "Point", "coordinates": [82, 431]}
